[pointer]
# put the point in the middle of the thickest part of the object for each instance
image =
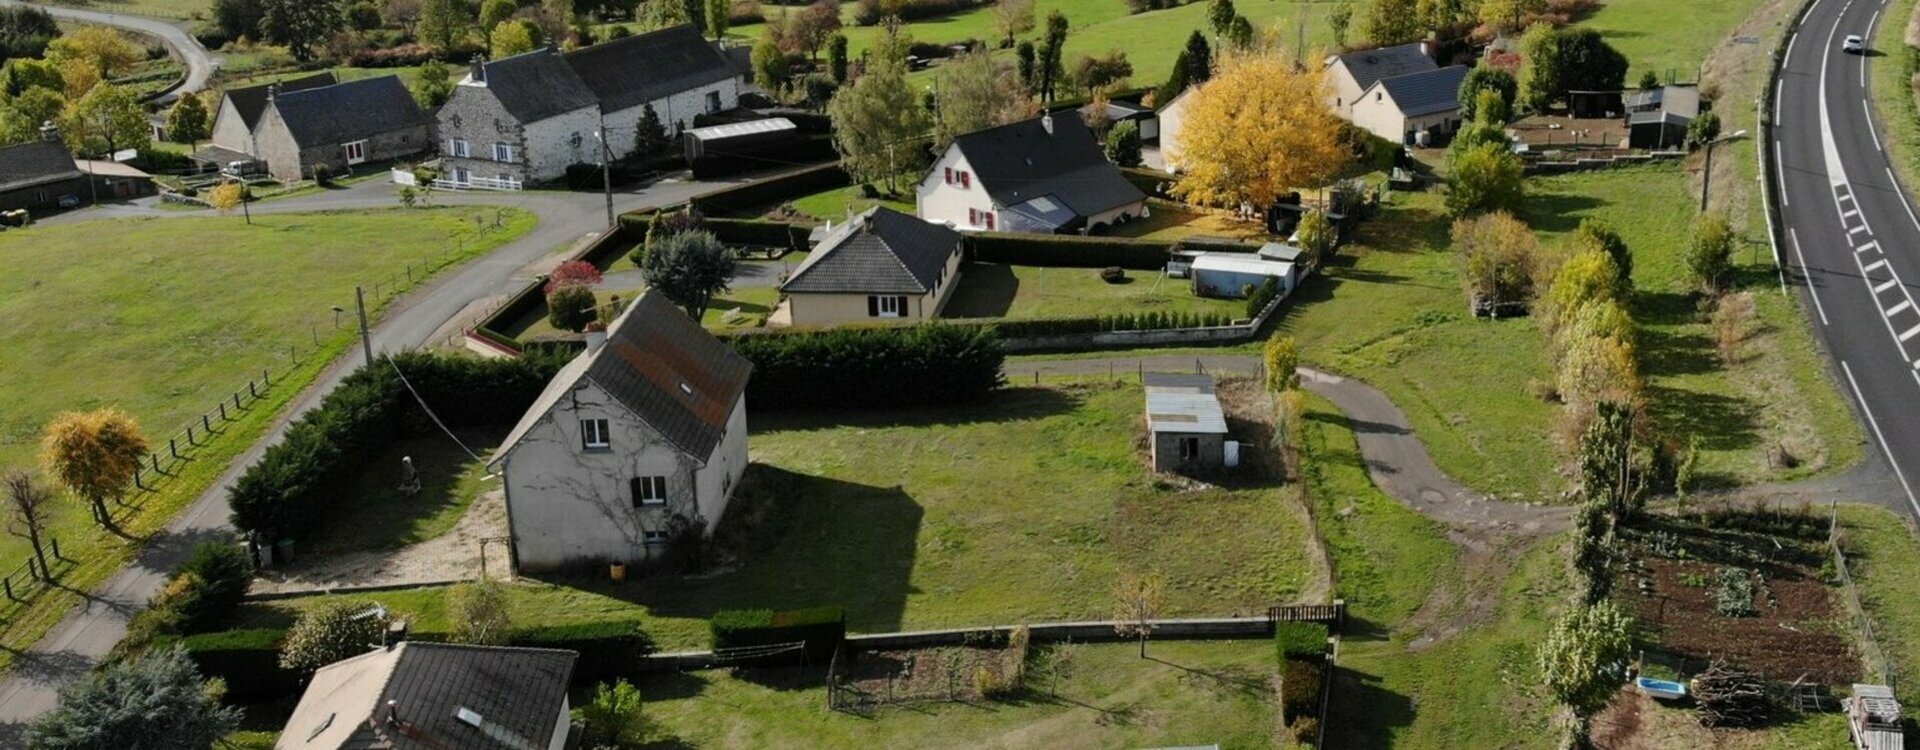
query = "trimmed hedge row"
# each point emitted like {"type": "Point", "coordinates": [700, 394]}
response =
{"type": "Point", "coordinates": [820, 628]}
{"type": "Point", "coordinates": [758, 232]}
{"type": "Point", "coordinates": [292, 482]}
{"type": "Point", "coordinates": [1299, 640]}
{"type": "Point", "coordinates": [773, 190]}
{"type": "Point", "coordinates": [931, 364]}
{"type": "Point", "coordinates": [607, 649]}
{"type": "Point", "coordinates": [1067, 251]}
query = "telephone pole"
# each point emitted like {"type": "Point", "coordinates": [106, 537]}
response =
{"type": "Point", "coordinates": [366, 338]}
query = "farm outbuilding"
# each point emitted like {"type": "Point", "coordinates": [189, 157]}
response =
{"type": "Point", "coordinates": [736, 138]}
{"type": "Point", "coordinates": [1231, 274]}
{"type": "Point", "coordinates": [1873, 718]}
{"type": "Point", "coordinates": [1186, 429]}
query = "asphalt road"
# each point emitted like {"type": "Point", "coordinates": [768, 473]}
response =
{"type": "Point", "coordinates": [200, 62]}
{"type": "Point", "coordinates": [1851, 236]}
{"type": "Point", "coordinates": [89, 632]}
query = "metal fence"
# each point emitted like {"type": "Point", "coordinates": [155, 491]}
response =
{"type": "Point", "coordinates": [1872, 654]}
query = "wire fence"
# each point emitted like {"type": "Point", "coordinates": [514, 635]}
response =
{"type": "Point", "coordinates": [172, 452]}
{"type": "Point", "coordinates": [1872, 654]}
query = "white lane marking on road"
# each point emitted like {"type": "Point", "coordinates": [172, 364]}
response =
{"type": "Point", "coordinates": [1836, 172]}
{"type": "Point", "coordinates": [1850, 214]}
{"type": "Point", "coordinates": [1869, 246]}
{"type": "Point", "coordinates": [1878, 435]}
{"type": "Point", "coordinates": [1868, 109]}
{"type": "Point", "coordinates": [1779, 165]}
{"type": "Point", "coordinates": [1904, 305]}
{"type": "Point", "coordinates": [1882, 288]}
{"type": "Point", "coordinates": [1794, 235]}
{"type": "Point", "coordinates": [1858, 229]}
{"type": "Point", "coordinates": [1904, 203]}
{"type": "Point", "coordinates": [1909, 333]}
{"type": "Point", "coordinates": [1876, 265]}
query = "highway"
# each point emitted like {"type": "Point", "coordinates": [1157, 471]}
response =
{"type": "Point", "coordinates": [1849, 236]}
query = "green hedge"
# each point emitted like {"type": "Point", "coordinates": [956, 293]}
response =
{"type": "Point", "coordinates": [248, 660]}
{"type": "Point", "coordinates": [293, 482]}
{"type": "Point", "coordinates": [820, 628]}
{"type": "Point", "coordinates": [1300, 688]}
{"type": "Point", "coordinates": [1014, 248]}
{"type": "Point", "coordinates": [933, 364]}
{"type": "Point", "coordinates": [1299, 640]}
{"type": "Point", "coordinates": [1015, 328]}
{"type": "Point", "coordinates": [607, 649]}
{"type": "Point", "coordinates": [758, 232]}
{"type": "Point", "coordinates": [773, 190]}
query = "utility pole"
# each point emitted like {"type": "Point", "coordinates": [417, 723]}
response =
{"type": "Point", "coordinates": [366, 339]}
{"type": "Point", "coordinates": [606, 171]}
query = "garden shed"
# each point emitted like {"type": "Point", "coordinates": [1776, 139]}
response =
{"type": "Point", "coordinates": [1873, 718]}
{"type": "Point", "coordinates": [1231, 274]}
{"type": "Point", "coordinates": [1186, 429]}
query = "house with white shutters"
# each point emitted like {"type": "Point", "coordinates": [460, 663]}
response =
{"type": "Point", "coordinates": [1048, 174]}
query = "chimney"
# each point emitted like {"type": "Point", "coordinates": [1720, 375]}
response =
{"type": "Point", "coordinates": [49, 132]}
{"type": "Point", "coordinates": [273, 91]}
{"type": "Point", "coordinates": [596, 336]}
{"type": "Point", "coordinates": [1426, 48]}
{"type": "Point", "coordinates": [393, 712]}
{"type": "Point", "coordinates": [1046, 121]}
{"type": "Point", "coordinates": [396, 633]}
{"type": "Point", "coordinates": [477, 70]}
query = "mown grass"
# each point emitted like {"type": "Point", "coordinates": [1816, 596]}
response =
{"type": "Point", "coordinates": [1671, 39]}
{"type": "Point", "coordinates": [1883, 555]}
{"type": "Point", "coordinates": [164, 317]}
{"type": "Point", "coordinates": [1892, 90]}
{"type": "Point", "coordinates": [1024, 508]}
{"type": "Point", "coordinates": [386, 517]}
{"type": "Point", "coordinates": [1186, 694]}
{"type": "Point", "coordinates": [995, 290]}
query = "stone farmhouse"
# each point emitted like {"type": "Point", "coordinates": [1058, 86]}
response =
{"type": "Point", "coordinates": [312, 122]}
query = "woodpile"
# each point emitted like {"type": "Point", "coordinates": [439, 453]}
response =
{"type": "Point", "coordinates": [1729, 697]}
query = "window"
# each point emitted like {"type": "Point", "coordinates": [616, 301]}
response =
{"type": "Point", "coordinates": [1380, 96]}
{"type": "Point", "coordinates": [1189, 448]}
{"type": "Point", "coordinates": [988, 215]}
{"type": "Point", "coordinates": [649, 491]}
{"type": "Point", "coordinates": [653, 537]}
{"type": "Point", "coordinates": [713, 102]}
{"type": "Point", "coordinates": [886, 306]}
{"type": "Point", "coordinates": [593, 434]}
{"type": "Point", "coordinates": [502, 152]}
{"type": "Point", "coordinates": [356, 152]}
{"type": "Point", "coordinates": [461, 176]}
{"type": "Point", "coordinates": [459, 149]}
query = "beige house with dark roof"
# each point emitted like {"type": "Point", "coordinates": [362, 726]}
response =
{"type": "Point", "coordinates": [880, 266]}
{"type": "Point", "coordinates": [636, 445]}
{"type": "Point", "coordinates": [433, 696]}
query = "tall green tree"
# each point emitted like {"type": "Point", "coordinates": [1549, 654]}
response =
{"type": "Point", "coordinates": [1486, 78]}
{"type": "Point", "coordinates": [108, 119]}
{"type": "Point", "coordinates": [1240, 33]}
{"type": "Point", "coordinates": [25, 31]}
{"type": "Point", "coordinates": [837, 59]}
{"type": "Point", "coordinates": [153, 701]}
{"type": "Point", "coordinates": [1542, 82]}
{"type": "Point", "coordinates": [1123, 145]}
{"type": "Point", "coordinates": [615, 717]}
{"type": "Point", "coordinates": [879, 126]}
{"type": "Point", "coordinates": [1614, 461]}
{"type": "Point", "coordinates": [770, 67]}
{"type": "Point", "coordinates": [1599, 235]}
{"type": "Point", "coordinates": [1199, 57]}
{"type": "Point", "coordinates": [238, 18]}
{"type": "Point", "coordinates": [1391, 22]}
{"type": "Point", "coordinates": [22, 115]}
{"type": "Point", "coordinates": [514, 38]}
{"type": "Point", "coordinates": [187, 122]}
{"type": "Point", "coordinates": [718, 17]}
{"type": "Point", "coordinates": [434, 86]}
{"type": "Point", "coordinates": [302, 25]}
{"type": "Point", "coordinates": [493, 13]}
{"type": "Point", "coordinates": [1220, 15]}
{"type": "Point", "coordinates": [1340, 21]}
{"type": "Point", "coordinates": [649, 134]}
{"type": "Point", "coordinates": [1027, 64]}
{"type": "Point", "coordinates": [690, 268]}
{"type": "Point", "coordinates": [443, 23]}
{"type": "Point", "coordinates": [1583, 660]}
{"type": "Point", "coordinates": [1050, 63]}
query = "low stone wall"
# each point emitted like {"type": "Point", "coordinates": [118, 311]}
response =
{"type": "Point", "coordinates": [1135, 339]}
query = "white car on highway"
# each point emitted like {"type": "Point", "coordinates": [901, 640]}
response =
{"type": "Point", "coordinates": [1854, 44]}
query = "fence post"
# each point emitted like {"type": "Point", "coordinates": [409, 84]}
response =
{"type": "Point", "coordinates": [173, 445]}
{"type": "Point", "coordinates": [252, 392]}
{"type": "Point", "coordinates": [190, 436]}
{"type": "Point", "coordinates": [207, 424]}
{"type": "Point", "coordinates": [236, 395]}
{"type": "Point", "coordinates": [138, 470]}
{"type": "Point", "coordinates": [223, 411]}
{"type": "Point", "coordinates": [8, 582]}
{"type": "Point", "coordinates": [156, 461]}
{"type": "Point", "coordinates": [56, 548]}
{"type": "Point", "coordinates": [264, 379]}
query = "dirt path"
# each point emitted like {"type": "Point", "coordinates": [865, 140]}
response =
{"type": "Point", "coordinates": [453, 556]}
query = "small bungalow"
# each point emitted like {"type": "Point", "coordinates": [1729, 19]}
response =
{"type": "Point", "coordinates": [634, 448]}
{"type": "Point", "coordinates": [416, 695]}
{"type": "Point", "coordinates": [1352, 74]}
{"type": "Point", "coordinates": [1659, 118]}
{"type": "Point", "coordinates": [1230, 275]}
{"type": "Point", "coordinates": [337, 127]}
{"type": "Point", "coordinates": [882, 264]}
{"type": "Point", "coordinates": [1873, 719]}
{"type": "Point", "coordinates": [40, 176]}
{"type": "Point", "coordinates": [1047, 175]}
{"type": "Point", "coordinates": [1186, 429]}
{"type": "Point", "coordinates": [1412, 109]}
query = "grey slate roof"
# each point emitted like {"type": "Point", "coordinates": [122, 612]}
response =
{"type": "Point", "coordinates": [537, 85]}
{"type": "Point", "coordinates": [881, 251]}
{"type": "Point", "coordinates": [1426, 93]}
{"type": "Point", "coordinates": [35, 163]}
{"type": "Point", "coordinates": [1369, 66]}
{"type": "Point", "coordinates": [1183, 403]}
{"type": "Point", "coordinates": [664, 368]}
{"type": "Point", "coordinates": [351, 111]}
{"type": "Point", "coordinates": [630, 72]}
{"type": "Point", "coordinates": [516, 693]}
{"type": "Point", "coordinates": [251, 101]}
{"type": "Point", "coordinates": [1021, 161]}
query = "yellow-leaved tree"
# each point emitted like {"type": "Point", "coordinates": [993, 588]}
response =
{"type": "Point", "coordinates": [1256, 130]}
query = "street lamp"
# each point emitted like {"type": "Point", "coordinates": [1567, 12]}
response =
{"type": "Point", "coordinates": [1706, 177]}
{"type": "Point", "coordinates": [606, 169]}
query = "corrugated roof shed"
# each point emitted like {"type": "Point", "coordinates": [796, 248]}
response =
{"type": "Point", "coordinates": [716, 132]}
{"type": "Point", "coordinates": [1183, 403]}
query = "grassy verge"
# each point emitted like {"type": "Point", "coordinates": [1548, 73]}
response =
{"type": "Point", "coordinates": [1884, 557]}
{"type": "Point", "coordinates": [158, 346]}
{"type": "Point", "coordinates": [1892, 90]}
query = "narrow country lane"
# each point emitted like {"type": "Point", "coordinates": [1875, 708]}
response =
{"type": "Point", "coordinates": [200, 63]}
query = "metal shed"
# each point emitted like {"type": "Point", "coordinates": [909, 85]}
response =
{"type": "Point", "coordinates": [1230, 274]}
{"type": "Point", "coordinates": [1186, 428]}
{"type": "Point", "coordinates": [733, 137]}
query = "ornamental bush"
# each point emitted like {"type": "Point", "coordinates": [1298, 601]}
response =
{"type": "Point", "coordinates": [570, 308]}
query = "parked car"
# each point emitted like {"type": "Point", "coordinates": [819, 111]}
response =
{"type": "Point", "coordinates": [1854, 44]}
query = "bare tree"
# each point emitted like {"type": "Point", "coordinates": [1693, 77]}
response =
{"type": "Point", "coordinates": [28, 508]}
{"type": "Point", "coordinates": [1136, 602]}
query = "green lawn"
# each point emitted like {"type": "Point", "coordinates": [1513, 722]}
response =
{"type": "Point", "coordinates": [1884, 557]}
{"type": "Point", "coordinates": [1390, 311]}
{"type": "Point", "coordinates": [752, 304]}
{"type": "Point", "coordinates": [1186, 694]}
{"type": "Point", "coordinates": [994, 290]}
{"type": "Point", "coordinates": [375, 514]}
{"type": "Point", "coordinates": [179, 313]}
{"type": "Point", "coordinates": [1670, 38]}
{"type": "Point", "coordinates": [1021, 509]}
{"type": "Point", "coordinates": [832, 205]}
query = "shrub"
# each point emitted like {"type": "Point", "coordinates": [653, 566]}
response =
{"type": "Point", "coordinates": [401, 56]}
{"type": "Point", "coordinates": [820, 629]}
{"type": "Point", "coordinates": [570, 308]}
{"type": "Point", "coordinates": [1499, 259]}
{"type": "Point", "coordinates": [1299, 688]}
{"type": "Point", "coordinates": [1261, 295]}
{"type": "Point", "coordinates": [220, 572]}
{"type": "Point", "coordinates": [248, 660]}
{"type": "Point", "coordinates": [607, 649]}
{"type": "Point", "coordinates": [863, 367]}
{"type": "Point", "coordinates": [615, 717]}
{"type": "Point", "coordinates": [330, 632]}
{"type": "Point", "coordinates": [1710, 252]}
{"type": "Point", "coordinates": [1487, 177]}
{"type": "Point", "coordinates": [1299, 640]}
{"type": "Point", "coordinates": [1305, 729]}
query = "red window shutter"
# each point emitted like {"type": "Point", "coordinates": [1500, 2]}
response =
{"type": "Point", "coordinates": [973, 217]}
{"type": "Point", "coordinates": [966, 179]}
{"type": "Point", "coordinates": [949, 175]}
{"type": "Point", "coordinates": [989, 216]}
{"type": "Point", "coordinates": [900, 304]}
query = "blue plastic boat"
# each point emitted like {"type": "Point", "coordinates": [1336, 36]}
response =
{"type": "Point", "coordinates": [1664, 689]}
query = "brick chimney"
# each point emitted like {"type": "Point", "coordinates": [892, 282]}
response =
{"type": "Point", "coordinates": [49, 132]}
{"type": "Point", "coordinates": [477, 70]}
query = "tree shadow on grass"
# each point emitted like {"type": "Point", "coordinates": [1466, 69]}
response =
{"type": "Point", "coordinates": [1363, 713]}
{"type": "Point", "coordinates": [1720, 422]}
{"type": "Point", "coordinates": [792, 540]}
{"type": "Point", "coordinates": [987, 290]}
{"type": "Point", "coordinates": [667, 685]}
{"type": "Point", "coordinates": [1559, 212]}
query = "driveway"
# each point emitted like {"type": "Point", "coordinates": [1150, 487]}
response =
{"type": "Point", "coordinates": [89, 631]}
{"type": "Point", "coordinates": [200, 62]}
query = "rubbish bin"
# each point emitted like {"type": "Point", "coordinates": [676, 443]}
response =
{"type": "Point", "coordinates": [283, 552]}
{"type": "Point", "coordinates": [617, 571]}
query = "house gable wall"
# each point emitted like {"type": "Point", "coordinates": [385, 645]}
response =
{"type": "Point", "coordinates": [542, 150]}
{"type": "Point", "coordinates": [1166, 452]}
{"type": "Point", "coordinates": [936, 201]}
{"type": "Point", "coordinates": [275, 146]}
{"type": "Point", "coordinates": [676, 112]}
{"type": "Point", "coordinates": [229, 131]}
{"type": "Point", "coordinates": [820, 309]}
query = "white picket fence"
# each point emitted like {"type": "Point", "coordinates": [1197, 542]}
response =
{"type": "Point", "coordinates": [404, 177]}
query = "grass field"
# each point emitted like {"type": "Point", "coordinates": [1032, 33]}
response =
{"type": "Point", "coordinates": [1669, 38]}
{"type": "Point", "coordinates": [1189, 694]}
{"type": "Point", "coordinates": [1883, 555]}
{"type": "Point", "coordinates": [994, 290]}
{"type": "Point", "coordinates": [1021, 509]}
{"type": "Point", "coordinates": [179, 312]}
{"type": "Point", "coordinates": [1390, 311]}
{"type": "Point", "coordinates": [383, 517]}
